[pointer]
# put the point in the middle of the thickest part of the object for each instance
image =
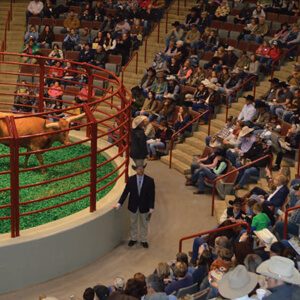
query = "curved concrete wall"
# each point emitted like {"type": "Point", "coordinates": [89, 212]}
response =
{"type": "Point", "coordinates": [54, 249]}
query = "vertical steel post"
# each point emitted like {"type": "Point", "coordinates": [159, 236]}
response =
{"type": "Point", "coordinates": [41, 62]}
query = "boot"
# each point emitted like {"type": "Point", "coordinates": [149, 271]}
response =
{"type": "Point", "coordinates": [154, 157]}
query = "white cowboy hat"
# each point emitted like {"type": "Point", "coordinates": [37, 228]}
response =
{"type": "Point", "coordinates": [171, 77]}
{"type": "Point", "coordinates": [169, 96]}
{"type": "Point", "coordinates": [237, 283]}
{"type": "Point", "coordinates": [205, 82]}
{"type": "Point", "coordinates": [267, 237]}
{"type": "Point", "coordinates": [280, 268]}
{"type": "Point", "coordinates": [211, 86]}
{"type": "Point", "coordinates": [139, 163]}
{"type": "Point", "coordinates": [245, 131]}
{"type": "Point", "coordinates": [189, 97]}
{"type": "Point", "coordinates": [215, 144]}
{"type": "Point", "coordinates": [137, 121]}
{"type": "Point", "coordinates": [230, 48]}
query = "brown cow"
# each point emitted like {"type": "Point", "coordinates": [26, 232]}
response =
{"type": "Point", "coordinates": [34, 126]}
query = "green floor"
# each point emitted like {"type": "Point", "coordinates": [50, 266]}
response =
{"type": "Point", "coordinates": [32, 193]}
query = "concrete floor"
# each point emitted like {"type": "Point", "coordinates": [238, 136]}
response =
{"type": "Point", "coordinates": [177, 213]}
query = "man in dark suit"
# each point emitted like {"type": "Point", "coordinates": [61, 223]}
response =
{"type": "Point", "coordinates": [141, 190]}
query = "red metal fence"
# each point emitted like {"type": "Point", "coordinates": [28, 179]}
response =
{"type": "Point", "coordinates": [212, 230]}
{"type": "Point", "coordinates": [102, 119]}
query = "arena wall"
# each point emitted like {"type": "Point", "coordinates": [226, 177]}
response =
{"type": "Point", "coordinates": [57, 248]}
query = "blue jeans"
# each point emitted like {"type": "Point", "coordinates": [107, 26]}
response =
{"type": "Point", "coordinates": [291, 228]}
{"type": "Point", "coordinates": [194, 167]}
{"type": "Point", "coordinates": [29, 14]}
{"type": "Point", "coordinates": [221, 89]}
{"type": "Point", "coordinates": [202, 173]}
{"type": "Point", "coordinates": [251, 171]}
{"type": "Point", "coordinates": [151, 147]}
{"type": "Point", "coordinates": [207, 140]}
{"type": "Point", "coordinates": [196, 245]}
{"type": "Point", "coordinates": [249, 38]}
{"type": "Point", "coordinates": [232, 156]}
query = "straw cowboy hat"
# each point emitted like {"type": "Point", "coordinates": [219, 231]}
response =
{"type": "Point", "coordinates": [189, 97]}
{"type": "Point", "coordinates": [237, 283]}
{"type": "Point", "coordinates": [211, 86]}
{"type": "Point", "coordinates": [280, 268]}
{"type": "Point", "coordinates": [205, 82]}
{"type": "Point", "coordinates": [215, 144]}
{"type": "Point", "coordinates": [137, 121]}
{"type": "Point", "coordinates": [245, 131]}
{"type": "Point", "coordinates": [169, 96]}
{"type": "Point", "coordinates": [171, 77]}
{"type": "Point", "coordinates": [230, 48]}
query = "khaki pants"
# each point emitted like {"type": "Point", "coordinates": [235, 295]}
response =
{"type": "Point", "coordinates": [134, 226]}
{"type": "Point", "coordinates": [28, 60]}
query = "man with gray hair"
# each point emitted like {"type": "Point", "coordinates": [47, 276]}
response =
{"type": "Point", "coordinates": [156, 288]}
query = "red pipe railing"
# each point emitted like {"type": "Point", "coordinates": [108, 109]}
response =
{"type": "Point", "coordinates": [281, 56]}
{"type": "Point", "coordinates": [286, 219]}
{"type": "Point", "coordinates": [167, 13]}
{"type": "Point", "coordinates": [147, 38]}
{"type": "Point", "coordinates": [212, 230]}
{"type": "Point", "coordinates": [136, 55]}
{"type": "Point", "coordinates": [232, 172]}
{"type": "Point", "coordinates": [93, 127]}
{"type": "Point", "coordinates": [236, 89]}
{"type": "Point", "coordinates": [183, 128]}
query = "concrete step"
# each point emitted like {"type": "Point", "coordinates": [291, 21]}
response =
{"type": "Point", "coordinates": [220, 206]}
{"type": "Point", "coordinates": [195, 142]}
{"type": "Point", "coordinates": [189, 149]}
{"type": "Point", "coordinates": [176, 164]}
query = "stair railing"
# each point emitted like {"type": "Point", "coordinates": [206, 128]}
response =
{"type": "Point", "coordinates": [286, 219]}
{"type": "Point", "coordinates": [213, 230]}
{"type": "Point", "coordinates": [168, 10]}
{"type": "Point", "coordinates": [281, 56]}
{"type": "Point", "coordinates": [148, 36]}
{"type": "Point", "coordinates": [184, 127]}
{"type": "Point", "coordinates": [136, 54]}
{"type": "Point", "coordinates": [238, 88]}
{"type": "Point", "coordinates": [235, 171]}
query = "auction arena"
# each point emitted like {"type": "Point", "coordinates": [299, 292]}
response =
{"type": "Point", "coordinates": [78, 164]}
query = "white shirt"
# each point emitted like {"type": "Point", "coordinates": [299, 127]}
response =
{"type": "Point", "coordinates": [36, 7]}
{"type": "Point", "coordinates": [277, 189]}
{"type": "Point", "coordinates": [247, 112]}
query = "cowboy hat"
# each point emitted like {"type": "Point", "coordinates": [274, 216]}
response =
{"type": "Point", "coordinates": [234, 71]}
{"type": "Point", "coordinates": [205, 82]}
{"type": "Point", "coordinates": [137, 121]}
{"type": "Point", "coordinates": [139, 163]}
{"type": "Point", "coordinates": [245, 130]}
{"type": "Point", "coordinates": [230, 48]}
{"type": "Point", "coordinates": [169, 96]}
{"type": "Point", "coordinates": [280, 268]}
{"type": "Point", "coordinates": [249, 98]}
{"type": "Point", "coordinates": [260, 104]}
{"type": "Point", "coordinates": [189, 97]}
{"type": "Point", "coordinates": [215, 144]}
{"type": "Point", "coordinates": [267, 237]}
{"type": "Point", "coordinates": [171, 77]}
{"type": "Point", "coordinates": [237, 201]}
{"type": "Point", "coordinates": [176, 23]}
{"type": "Point", "coordinates": [283, 84]}
{"type": "Point", "coordinates": [274, 80]}
{"type": "Point", "coordinates": [211, 86]}
{"type": "Point", "coordinates": [237, 283]}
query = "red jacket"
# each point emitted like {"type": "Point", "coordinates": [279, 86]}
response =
{"type": "Point", "coordinates": [274, 53]}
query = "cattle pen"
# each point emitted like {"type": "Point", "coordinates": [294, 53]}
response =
{"type": "Point", "coordinates": [104, 115]}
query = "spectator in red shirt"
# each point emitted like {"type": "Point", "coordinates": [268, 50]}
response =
{"type": "Point", "coordinates": [56, 72]}
{"type": "Point", "coordinates": [83, 95]}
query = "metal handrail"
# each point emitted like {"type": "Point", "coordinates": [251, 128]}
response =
{"type": "Point", "coordinates": [232, 172]}
{"type": "Point", "coordinates": [236, 89]}
{"type": "Point", "coordinates": [167, 13]}
{"type": "Point", "coordinates": [212, 230]}
{"type": "Point", "coordinates": [136, 54]}
{"type": "Point", "coordinates": [286, 219]}
{"type": "Point", "coordinates": [184, 127]}
{"type": "Point", "coordinates": [148, 36]}
{"type": "Point", "coordinates": [282, 55]}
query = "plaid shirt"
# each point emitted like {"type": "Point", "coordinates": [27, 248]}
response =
{"type": "Point", "coordinates": [295, 215]}
{"type": "Point", "coordinates": [225, 131]}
